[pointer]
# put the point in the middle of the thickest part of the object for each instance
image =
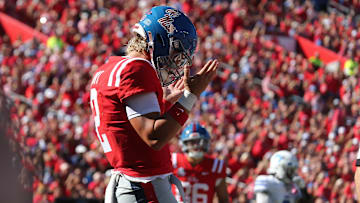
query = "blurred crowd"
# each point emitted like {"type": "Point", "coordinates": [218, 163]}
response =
{"type": "Point", "coordinates": [264, 99]}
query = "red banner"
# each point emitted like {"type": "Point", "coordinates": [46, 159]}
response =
{"type": "Point", "coordinates": [18, 30]}
{"type": "Point", "coordinates": [327, 56]}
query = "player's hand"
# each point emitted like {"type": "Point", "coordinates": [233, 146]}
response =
{"type": "Point", "coordinates": [197, 83]}
{"type": "Point", "coordinates": [173, 92]}
{"type": "Point", "coordinates": [299, 181]}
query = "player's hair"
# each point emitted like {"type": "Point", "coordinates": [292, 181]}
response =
{"type": "Point", "coordinates": [136, 43]}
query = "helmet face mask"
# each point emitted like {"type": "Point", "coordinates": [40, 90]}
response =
{"type": "Point", "coordinates": [172, 40]}
{"type": "Point", "coordinates": [195, 148]}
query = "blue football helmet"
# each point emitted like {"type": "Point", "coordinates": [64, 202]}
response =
{"type": "Point", "coordinates": [172, 41]}
{"type": "Point", "coordinates": [195, 140]}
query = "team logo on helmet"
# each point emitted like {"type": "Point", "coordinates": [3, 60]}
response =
{"type": "Point", "coordinates": [167, 21]}
{"type": "Point", "coordinates": [193, 135]}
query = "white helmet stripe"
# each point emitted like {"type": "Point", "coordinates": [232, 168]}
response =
{"type": "Point", "coordinates": [139, 30]}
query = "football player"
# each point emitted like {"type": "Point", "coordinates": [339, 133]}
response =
{"type": "Point", "coordinates": [282, 184]}
{"type": "Point", "coordinates": [132, 122]}
{"type": "Point", "coordinates": [201, 175]}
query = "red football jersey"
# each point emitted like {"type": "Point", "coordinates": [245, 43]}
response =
{"type": "Point", "coordinates": [199, 182]}
{"type": "Point", "coordinates": [118, 79]}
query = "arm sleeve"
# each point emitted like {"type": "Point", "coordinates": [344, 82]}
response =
{"type": "Point", "coordinates": [141, 104]}
{"type": "Point", "coordinates": [262, 197]}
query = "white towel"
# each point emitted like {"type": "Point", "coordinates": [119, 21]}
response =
{"type": "Point", "coordinates": [110, 189]}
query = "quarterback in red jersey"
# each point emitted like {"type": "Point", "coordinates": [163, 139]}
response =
{"type": "Point", "coordinates": [201, 176]}
{"type": "Point", "coordinates": [132, 122]}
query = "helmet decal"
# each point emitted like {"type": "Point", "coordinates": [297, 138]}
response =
{"type": "Point", "coordinates": [167, 21]}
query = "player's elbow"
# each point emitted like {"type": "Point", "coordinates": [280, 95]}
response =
{"type": "Point", "coordinates": [154, 140]}
{"type": "Point", "coordinates": [156, 145]}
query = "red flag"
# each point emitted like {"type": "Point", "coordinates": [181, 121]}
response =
{"type": "Point", "coordinates": [327, 56]}
{"type": "Point", "coordinates": [18, 30]}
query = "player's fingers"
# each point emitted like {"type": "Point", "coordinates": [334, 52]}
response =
{"type": "Point", "coordinates": [181, 85]}
{"type": "Point", "coordinates": [186, 73]}
{"type": "Point", "coordinates": [211, 71]}
{"type": "Point", "coordinates": [175, 84]}
{"type": "Point", "coordinates": [205, 67]}
{"type": "Point", "coordinates": [213, 66]}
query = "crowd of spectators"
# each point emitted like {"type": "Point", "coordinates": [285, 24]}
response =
{"type": "Point", "coordinates": [264, 99]}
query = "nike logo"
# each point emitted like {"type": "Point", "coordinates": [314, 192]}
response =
{"type": "Point", "coordinates": [179, 113]}
{"type": "Point", "coordinates": [180, 109]}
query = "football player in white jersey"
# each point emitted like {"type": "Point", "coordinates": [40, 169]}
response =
{"type": "Point", "coordinates": [282, 184]}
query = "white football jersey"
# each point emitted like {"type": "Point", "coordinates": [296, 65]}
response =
{"type": "Point", "coordinates": [277, 190]}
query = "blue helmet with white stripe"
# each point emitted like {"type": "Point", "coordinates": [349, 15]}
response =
{"type": "Point", "coordinates": [172, 41]}
{"type": "Point", "coordinates": [195, 140]}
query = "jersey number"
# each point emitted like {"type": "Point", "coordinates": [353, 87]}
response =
{"type": "Point", "coordinates": [193, 192]}
{"type": "Point", "coordinates": [95, 109]}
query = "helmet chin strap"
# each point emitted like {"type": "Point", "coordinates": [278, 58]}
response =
{"type": "Point", "coordinates": [151, 47]}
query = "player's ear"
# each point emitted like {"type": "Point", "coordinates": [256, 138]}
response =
{"type": "Point", "coordinates": [147, 54]}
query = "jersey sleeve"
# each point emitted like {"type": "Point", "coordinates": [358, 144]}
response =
{"type": "Point", "coordinates": [135, 105]}
{"type": "Point", "coordinates": [261, 184]}
{"type": "Point", "coordinates": [137, 77]}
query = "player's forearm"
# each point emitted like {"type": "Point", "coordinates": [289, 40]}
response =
{"type": "Point", "coordinates": [164, 130]}
{"type": "Point", "coordinates": [357, 182]}
{"type": "Point", "coordinates": [357, 175]}
{"type": "Point", "coordinates": [155, 130]}
{"type": "Point", "coordinates": [168, 126]}
{"type": "Point", "coordinates": [221, 192]}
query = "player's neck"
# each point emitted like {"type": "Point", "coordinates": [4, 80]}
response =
{"type": "Point", "coordinates": [136, 54]}
{"type": "Point", "coordinates": [193, 161]}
